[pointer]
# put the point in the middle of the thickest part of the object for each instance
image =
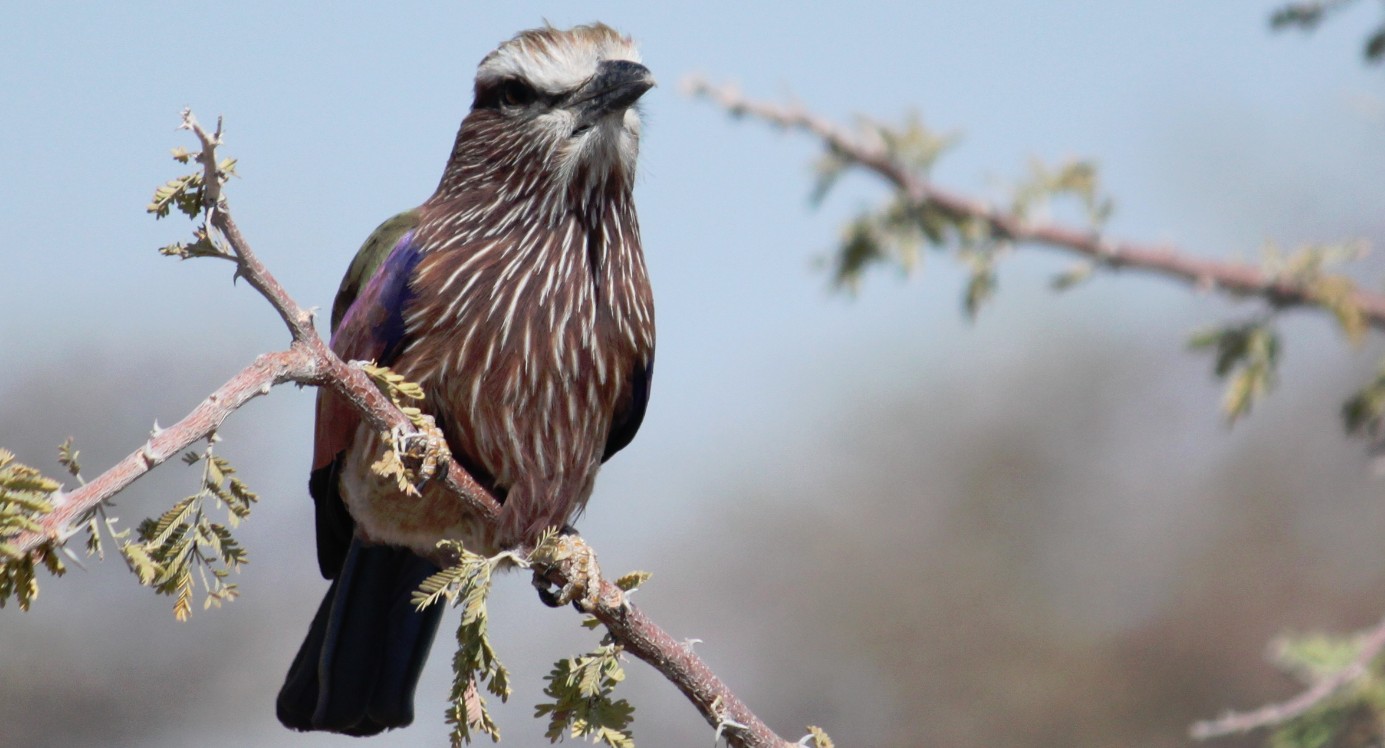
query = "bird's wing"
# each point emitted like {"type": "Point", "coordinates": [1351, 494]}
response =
{"type": "Point", "coordinates": [368, 259]}
{"type": "Point", "coordinates": [368, 324]}
{"type": "Point", "coordinates": [367, 320]}
{"type": "Point", "coordinates": [630, 407]}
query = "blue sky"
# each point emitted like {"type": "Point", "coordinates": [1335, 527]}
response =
{"type": "Point", "coordinates": [1210, 132]}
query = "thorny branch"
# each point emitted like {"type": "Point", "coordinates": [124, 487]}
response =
{"type": "Point", "coordinates": [309, 361]}
{"type": "Point", "coordinates": [1270, 715]}
{"type": "Point", "coordinates": [1234, 278]}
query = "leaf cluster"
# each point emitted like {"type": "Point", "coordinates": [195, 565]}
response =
{"type": "Point", "coordinates": [896, 233]}
{"type": "Point", "coordinates": [1307, 15]}
{"type": "Point", "coordinates": [1364, 412]}
{"type": "Point", "coordinates": [466, 584]}
{"type": "Point", "coordinates": [580, 689]}
{"type": "Point", "coordinates": [1075, 179]}
{"type": "Point", "coordinates": [187, 194]}
{"type": "Point", "coordinates": [1354, 713]}
{"type": "Point", "coordinates": [26, 496]}
{"type": "Point", "coordinates": [184, 547]}
{"type": "Point", "coordinates": [1246, 356]}
{"type": "Point", "coordinates": [1246, 353]}
{"type": "Point", "coordinates": [819, 737]}
{"type": "Point", "coordinates": [1309, 267]}
{"type": "Point", "coordinates": [581, 703]}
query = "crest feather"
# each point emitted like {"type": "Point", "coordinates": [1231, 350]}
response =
{"type": "Point", "coordinates": [556, 60]}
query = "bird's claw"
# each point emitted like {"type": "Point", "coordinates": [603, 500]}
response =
{"type": "Point", "coordinates": [426, 450]}
{"type": "Point", "coordinates": [417, 455]}
{"type": "Point", "coordinates": [569, 558]}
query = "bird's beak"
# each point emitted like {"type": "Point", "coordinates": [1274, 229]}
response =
{"type": "Point", "coordinates": [616, 86]}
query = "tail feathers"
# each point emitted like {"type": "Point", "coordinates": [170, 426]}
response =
{"type": "Point", "coordinates": [360, 663]}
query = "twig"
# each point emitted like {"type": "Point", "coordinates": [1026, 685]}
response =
{"type": "Point", "coordinates": [309, 361]}
{"type": "Point", "coordinates": [1235, 278]}
{"type": "Point", "coordinates": [255, 380]}
{"type": "Point", "coordinates": [298, 319]}
{"type": "Point", "coordinates": [1270, 715]}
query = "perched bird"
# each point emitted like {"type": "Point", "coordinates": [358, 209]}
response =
{"type": "Point", "coordinates": [517, 297]}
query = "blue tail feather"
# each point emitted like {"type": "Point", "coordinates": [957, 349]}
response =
{"type": "Point", "coordinates": [359, 665]}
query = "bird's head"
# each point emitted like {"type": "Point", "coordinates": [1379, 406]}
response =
{"type": "Point", "coordinates": [559, 101]}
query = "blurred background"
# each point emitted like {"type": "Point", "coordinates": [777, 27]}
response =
{"type": "Point", "coordinates": [1030, 530]}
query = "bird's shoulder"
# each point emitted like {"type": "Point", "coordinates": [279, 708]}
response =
{"type": "Point", "coordinates": [369, 258]}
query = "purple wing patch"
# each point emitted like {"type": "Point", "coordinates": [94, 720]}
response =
{"type": "Point", "coordinates": [372, 329]}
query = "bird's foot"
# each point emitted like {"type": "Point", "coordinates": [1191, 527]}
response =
{"type": "Point", "coordinates": [418, 455]}
{"type": "Point", "coordinates": [566, 556]}
{"type": "Point", "coordinates": [427, 450]}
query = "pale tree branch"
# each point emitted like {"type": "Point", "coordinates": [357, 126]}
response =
{"type": "Point", "coordinates": [640, 636]}
{"type": "Point", "coordinates": [256, 379]}
{"type": "Point", "coordinates": [309, 361]}
{"type": "Point", "coordinates": [298, 319]}
{"type": "Point", "coordinates": [1235, 278]}
{"type": "Point", "coordinates": [1372, 642]}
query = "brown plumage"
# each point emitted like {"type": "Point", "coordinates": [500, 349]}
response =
{"type": "Point", "coordinates": [517, 297]}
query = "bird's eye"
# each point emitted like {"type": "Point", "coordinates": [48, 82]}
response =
{"type": "Point", "coordinates": [514, 93]}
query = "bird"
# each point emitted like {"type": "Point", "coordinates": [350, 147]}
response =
{"type": "Point", "coordinates": [518, 299]}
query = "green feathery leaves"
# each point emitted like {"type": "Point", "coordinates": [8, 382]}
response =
{"type": "Point", "coordinates": [819, 737]}
{"type": "Point", "coordinates": [1364, 412]}
{"type": "Point", "coordinates": [25, 498]}
{"type": "Point", "coordinates": [67, 457]}
{"type": "Point", "coordinates": [187, 195]}
{"type": "Point", "coordinates": [896, 233]}
{"type": "Point", "coordinates": [632, 581]}
{"type": "Point", "coordinates": [466, 584]}
{"type": "Point", "coordinates": [581, 703]}
{"type": "Point", "coordinates": [1307, 14]}
{"type": "Point", "coordinates": [185, 192]}
{"type": "Point", "coordinates": [1356, 709]}
{"type": "Point", "coordinates": [395, 386]}
{"type": "Point", "coordinates": [1246, 356]}
{"type": "Point", "coordinates": [184, 540]}
{"type": "Point", "coordinates": [1072, 179]}
{"type": "Point", "coordinates": [1308, 267]}
{"type": "Point", "coordinates": [201, 246]}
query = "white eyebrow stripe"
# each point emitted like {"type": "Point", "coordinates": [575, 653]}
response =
{"type": "Point", "coordinates": [555, 67]}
